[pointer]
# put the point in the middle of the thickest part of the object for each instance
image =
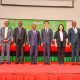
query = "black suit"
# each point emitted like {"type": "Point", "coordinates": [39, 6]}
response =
{"type": "Point", "coordinates": [61, 46]}
{"type": "Point", "coordinates": [20, 37]}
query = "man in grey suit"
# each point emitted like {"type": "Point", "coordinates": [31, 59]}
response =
{"type": "Point", "coordinates": [20, 39]}
{"type": "Point", "coordinates": [47, 38]}
{"type": "Point", "coordinates": [6, 35]}
{"type": "Point", "coordinates": [74, 40]}
{"type": "Point", "coordinates": [33, 40]}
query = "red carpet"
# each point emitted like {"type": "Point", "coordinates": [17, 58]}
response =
{"type": "Point", "coordinates": [39, 72]}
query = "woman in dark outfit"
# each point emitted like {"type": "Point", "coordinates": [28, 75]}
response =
{"type": "Point", "coordinates": [61, 42]}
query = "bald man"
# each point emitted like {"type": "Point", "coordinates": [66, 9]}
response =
{"type": "Point", "coordinates": [74, 40]}
{"type": "Point", "coordinates": [20, 38]}
{"type": "Point", "coordinates": [6, 34]}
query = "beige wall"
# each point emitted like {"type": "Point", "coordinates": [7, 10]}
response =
{"type": "Point", "coordinates": [42, 12]}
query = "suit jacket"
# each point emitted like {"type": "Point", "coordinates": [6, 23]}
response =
{"type": "Point", "coordinates": [0, 35]}
{"type": "Point", "coordinates": [57, 37]}
{"type": "Point", "coordinates": [9, 34]}
{"type": "Point", "coordinates": [33, 39]}
{"type": "Point", "coordinates": [46, 37]}
{"type": "Point", "coordinates": [72, 37]}
{"type": "Point", "coordinates": [23, 35]}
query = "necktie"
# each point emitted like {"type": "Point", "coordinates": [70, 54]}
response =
{"type": "Point", "coordinates": [34, 32]}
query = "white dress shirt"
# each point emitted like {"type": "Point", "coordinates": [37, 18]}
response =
{"type": "Point", "coordinates": [6, 31]}
{"type": "Point", "coordinates": [46, 29]}
{"type": "Point", "coordinates": [61, 36]}
{"type": "Point", "coordinates": [75, 30]}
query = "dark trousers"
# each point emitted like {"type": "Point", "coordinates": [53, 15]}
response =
{"type": "Point", "coordinates": [61, 54]}
{"type": "Point", "coordinates": [19, 52]}
{"type": "Point", "coordinates": [75, 52]}
{"type": "Point", "coordinates": [33, 53]}
{"type": "Point", "coordinates": [46, 52]}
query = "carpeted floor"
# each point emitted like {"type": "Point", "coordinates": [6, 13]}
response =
{"type": "Point", "coordinates": [39, 71]}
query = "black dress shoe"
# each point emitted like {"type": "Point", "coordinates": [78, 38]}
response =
{"type": "Point", "coordinates": [32, 63]}
{"type": "Point", "coordinates": [16, 62]}
{"type": "Point", "coordinates": [1, 62]}
{"type": "Point", "coordinates": [35, 61]}
{"type": "Point", "coordinates": [8, 63]}
{"type": "Point", "coordinates": [22, 62]}
{"type": "Point", "coordinates": [48, 61]}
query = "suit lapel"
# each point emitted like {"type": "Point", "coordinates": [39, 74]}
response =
{"type": "Point", "coordinates": [32, 32]}
{"type": "Point", "coordinates": [59, 35]}
{"type": "Point", "coordinates": [77, 30]}
{"type": "Point", "coordinates": [73, 30]}
{"type": "Point", "coordinates": [17, 31]}
{"type": "Point", "coordinates": [47, 32]}
{"type": "Point", "coordinates": [63, 35]}
{"type": "Point", "coordinates": [21, 31]}
{"type": "Point", "coordinates": [3, 32]}
{"type": "Point", "coordinates": [35, 33]}
{"type": "Point", "coordinates": [8, 32]}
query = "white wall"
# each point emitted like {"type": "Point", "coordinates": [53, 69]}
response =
{"type": "Point", "coordinates": [42, 12]}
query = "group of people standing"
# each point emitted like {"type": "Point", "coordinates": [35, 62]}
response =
{"type": "Point", "coordinates": [34, 38]}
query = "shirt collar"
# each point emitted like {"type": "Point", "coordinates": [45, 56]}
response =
{"type": "Point", "coordinates": [6, 27]}
{"type": "Point", "coordinates": [19, 27]}
{"type": "Point", "coordinates": [75, 28]}
{"type": "Point", "coordinates": [46, 28]}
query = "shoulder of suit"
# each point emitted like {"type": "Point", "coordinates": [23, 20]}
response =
{"type": "Point", "coordinates": [29, 30]}
{"type": "Point", "coordinates": [50, 29]}
{"type": "Point", "coordinates": [10, 28]}
{"type": "Point", "coordinates": [78, 28]}
{"type": "Point", "coordinates": [42, 29]}
{"type": "Point", "coordinates": [64, 31]}
{"type": "Point", "coordinates": [2, 28]}
{"type": "Point", "coordinates": [56, 32]}
{"type": "Point", "coordinates": [15, 28]}
{"type": "Point", "coordinates": [70, 28]}
{"type": "Point", "coordinates": [23, 28]}
{"type": "Point", "coordinates": [37, 30]}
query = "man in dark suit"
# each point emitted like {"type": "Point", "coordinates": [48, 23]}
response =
{"type": "Point", "coordinates": [33, 40]}
{"type": "Point", "coordinates": [46, 37]}
{"type": "Point", "coordinates": [20, 38]}
{"type": "Point", "coordinates": [74, 40]}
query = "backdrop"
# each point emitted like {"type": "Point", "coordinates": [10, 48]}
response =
{"type": "Point", "coordinates": [40, 24]}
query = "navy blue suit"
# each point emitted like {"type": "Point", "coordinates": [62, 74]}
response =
{"type": "Point", "coordinates": [74, 39]}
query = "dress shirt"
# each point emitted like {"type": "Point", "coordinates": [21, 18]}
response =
{"type": "Point", "coordinates": [6, 31]}
{"type": "Point", "coordinates": [61, 36]}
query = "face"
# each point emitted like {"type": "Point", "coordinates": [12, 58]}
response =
{"type": "Point", "coordinates": [6, 23]}
{"type": "Point", "coordinates": [74, 24]}
{"type": "Point", "coordinates": [46, 24]}
{"type": "Point", "coordinates": [20, 23]}
{"type": "Point", "coordinates": [33, 26]}
{"type": "Point", "coordinates": [61, 27]}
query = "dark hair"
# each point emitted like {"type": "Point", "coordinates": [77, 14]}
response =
{"type": "Point", "coordinates": [59, 27]}
{"type": "Point", "coordinates": [46, 21]}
